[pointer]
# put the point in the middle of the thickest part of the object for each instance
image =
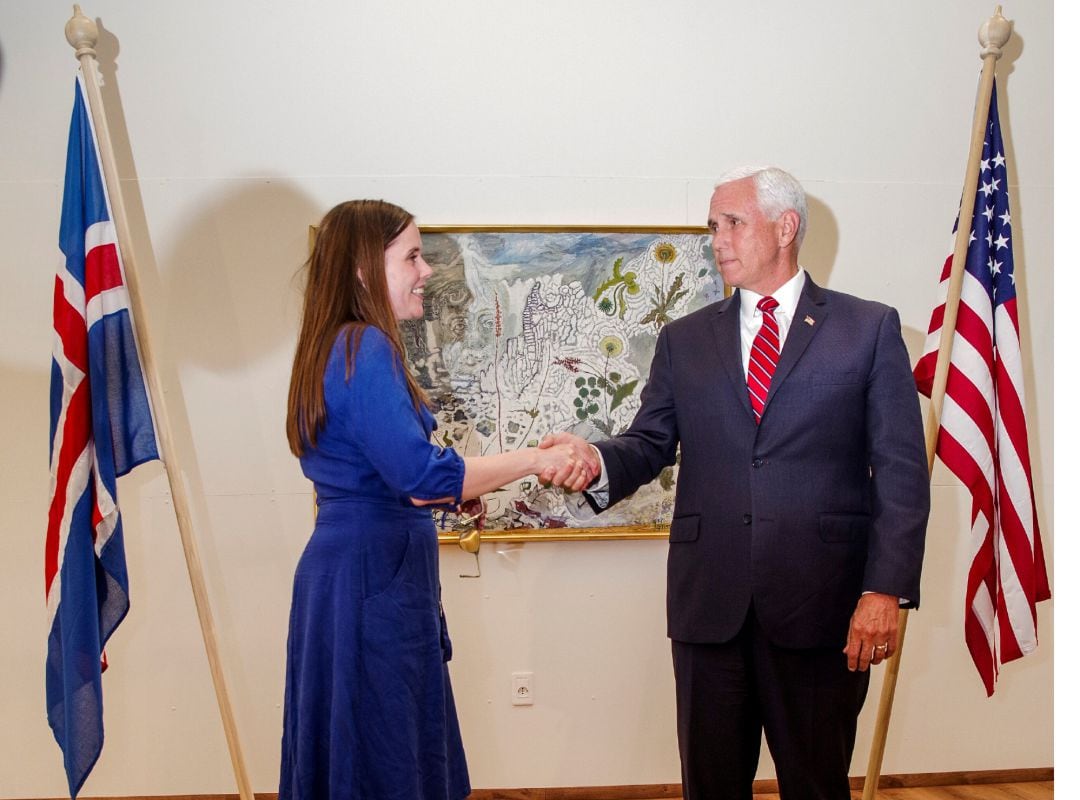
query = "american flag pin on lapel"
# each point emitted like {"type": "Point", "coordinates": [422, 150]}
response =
{"type": "Point", "coordinates": [808, 320]}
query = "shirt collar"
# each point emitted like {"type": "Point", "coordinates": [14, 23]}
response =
{"type": "Point", "coordinates": [787, 296]}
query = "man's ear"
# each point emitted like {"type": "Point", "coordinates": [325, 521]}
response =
{"type": "Point", "coordinates": [789, 227]}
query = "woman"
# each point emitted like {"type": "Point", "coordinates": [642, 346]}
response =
{"type": "Point", "coordinates": [368, 707]}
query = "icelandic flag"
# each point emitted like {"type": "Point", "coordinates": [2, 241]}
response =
{"type": "Point", "coordinates": [101, 427]}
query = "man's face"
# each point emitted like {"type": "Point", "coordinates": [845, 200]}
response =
{"type": "Point", "coordinates": [745, 244]}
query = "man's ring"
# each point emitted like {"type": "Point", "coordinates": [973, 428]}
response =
{"type": "Point", "coordinates": [881, 646]}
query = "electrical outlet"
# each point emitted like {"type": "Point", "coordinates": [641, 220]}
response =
{"type": "Point", "coordinates": [521, 688]}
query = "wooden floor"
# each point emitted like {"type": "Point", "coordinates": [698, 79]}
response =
{"type": "Point", "coordinates": [965, 787]}
{"type": "Point", "coordinates": [1019, 790]}
{"type": "Point", "coordinates": [1033, 790]}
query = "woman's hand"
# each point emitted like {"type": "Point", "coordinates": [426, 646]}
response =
{"type": "Point", "coordinates": [474, 512]}
{"type": "Point", "coordinates": [567, 461]}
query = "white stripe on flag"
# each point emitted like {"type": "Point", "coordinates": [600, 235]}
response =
{"type": "Point", "coordinates": [77, 484]}
{"type": "Point", "coordinates": [104, 303]}
{"type": "Point", "coordinates": [100, 233]}
{"type": "Point", "coordinates": [1016, 601]}
{"type": "Point", "coordinates": [956, 420]}
{"type": "Point", "coordinates": [107, 510]}
{"type": "Point", "coordinates": [974, 296]}
{"type": "Point", "coordinates": [1014, 482]}
{"type": "Point", "coordinates": [982, 606]}
{"type": "Point", "coordinates": [968, 360]}
{"type": "Point", "coordinates": [73, 291]}
{"type": "Point", "coordinates": [1008, 346]}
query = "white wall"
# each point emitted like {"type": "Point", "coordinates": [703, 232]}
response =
{"type": "Point", "coordinates": [240, 123]}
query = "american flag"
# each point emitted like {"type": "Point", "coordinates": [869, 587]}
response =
{"type": "Point", "coordinates": [983, 436]}
{"type": "Point", "coordinates": [100, 428]}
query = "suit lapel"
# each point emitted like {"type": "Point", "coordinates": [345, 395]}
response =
{"type": "Point", "coordinates": [810, 313]}
{"type": "Point", "coordinates": [726, 329]}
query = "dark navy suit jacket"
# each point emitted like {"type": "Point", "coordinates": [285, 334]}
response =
{"type": "Point", "coordinates": [827, 498]}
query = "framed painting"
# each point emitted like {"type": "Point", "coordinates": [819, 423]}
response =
{"type": "Point", "coordinates": [529, 330]}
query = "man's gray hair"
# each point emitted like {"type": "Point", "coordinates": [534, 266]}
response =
{"type": "Point", "coordinates": [777, 191]}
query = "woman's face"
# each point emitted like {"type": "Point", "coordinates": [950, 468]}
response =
{"type": "Point", "coordinates": [406, 274]}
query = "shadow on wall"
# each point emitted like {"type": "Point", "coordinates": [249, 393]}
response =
{"type": "Point", "coordinates": [223, 299]}
{"type": "Point", "coordinates": [229, 282]}
{"type": "Point", "coordinates": [221, 303]}
{"type": "Point", "coordinates": [914, 341]}
{"type": "Point", "coordinates": [233, 279]}
{"type": "Point", "coordinates": [818, 254]}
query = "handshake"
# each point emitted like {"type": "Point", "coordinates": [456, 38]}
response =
{"type": "Point", "coordinates": [566, 461]}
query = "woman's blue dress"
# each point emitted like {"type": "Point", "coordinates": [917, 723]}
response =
{"type": "Point", "coordinates": [369, 714]}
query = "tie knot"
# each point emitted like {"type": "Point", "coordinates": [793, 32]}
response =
{"type": "Point", "coordinates": [768, 305]}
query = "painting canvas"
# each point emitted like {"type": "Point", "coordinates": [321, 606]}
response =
{"type": "Point", "coordinates": [528, 331]}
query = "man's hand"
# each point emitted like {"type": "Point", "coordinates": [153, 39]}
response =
{"type": "Point", "coordinates": [583, 454]}
{"type": "Point", "coordinates": [872, 633]}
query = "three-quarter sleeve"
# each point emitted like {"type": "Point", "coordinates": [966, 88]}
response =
{"type": "Point", "coordinates": [387, 427]}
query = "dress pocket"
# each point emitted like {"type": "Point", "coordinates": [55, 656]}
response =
{"type": "Point", "coordinates": [389, 558]}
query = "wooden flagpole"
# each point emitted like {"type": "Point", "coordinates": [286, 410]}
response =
{"type": "Point", "coordinates": [993, 35]}
{"type": "Point", "coordinates": [82, 34]}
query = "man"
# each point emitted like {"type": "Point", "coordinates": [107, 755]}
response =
{"type": "Point", "coordinates": [801, 507]}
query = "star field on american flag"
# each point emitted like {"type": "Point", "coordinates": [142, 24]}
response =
{"type": "Point", "coordinates": [990, 243]}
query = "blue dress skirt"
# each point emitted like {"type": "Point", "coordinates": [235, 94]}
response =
{"type": "Point", "coordinates": [369, 714]}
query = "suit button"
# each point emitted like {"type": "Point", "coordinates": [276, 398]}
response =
{"type": "Point", "coordinates": [747, 519]}
{"type": "Point", "coordinates": [758, 462]}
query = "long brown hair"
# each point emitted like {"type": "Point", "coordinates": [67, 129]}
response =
{"type": "Point", "coordinates": [352, 238]}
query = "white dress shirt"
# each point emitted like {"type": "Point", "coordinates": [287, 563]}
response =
{"type": "Point", "coordinates": [750, 315]}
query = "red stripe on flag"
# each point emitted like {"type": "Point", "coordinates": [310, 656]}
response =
{"type": "Point", "coordinates": [1011, 410]}
{"type": "Point", "coordinates": [70, 327]}
{"type": "Point", "coordinates": [982, 574]}
{"type": "Point", "coordinates": [95, 517]}
{"type": "Point", "coordinates": [102, 270]}
{"type": "Point", "coordinates": [1014, 317]}
{"type": "Point", "coordinates": [937, 317]}
{"type": "Point", "coordinates": [967, 396]}
{"type": "Point", "coordinates": [981, 654]}
{"type": "Point", "coordinates": [1008, 646]}
{"type": "Point", "coordinates": [946, 271]}
{"type": "Point", "coordinates": [924, 373]}
{"type": "Point", "coordinates": [1042, 587]}
{"type": "Point", "coordinates": [76, 436]}
{"type": "Point", "coordinates": [976, 330]}
{"type": "Point", "coordinates": [964, 467]}
{"type": "Point", "coordinates": [1015, 539]}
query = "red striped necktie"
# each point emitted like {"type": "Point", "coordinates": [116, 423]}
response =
{"type": "Point", "coordinates": [764, 354]}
